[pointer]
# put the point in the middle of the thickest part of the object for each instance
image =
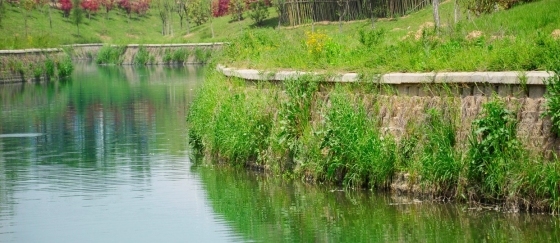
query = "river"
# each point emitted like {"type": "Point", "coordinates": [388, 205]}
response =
{"type": "Point", "coordinates": [103, 157]}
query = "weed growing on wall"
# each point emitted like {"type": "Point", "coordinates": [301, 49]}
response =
{"type": "Point", "coordinates": [334, 135]}
{"type": "Point", "coordinates": [65, 67]}
{"type": "Point", "coordinates": [110, 55]}
{"type": "Point", "coordinates": [180, 55]}
{"type": "Point", "coordinates": [295, 115]}
{"type": "Point", "coordinates": [202, 55]}
{"type": "Point", "coordinates": [356, 153]}
{"type": "Point", "coordinates": [229, 122]}
{"type": "Point", "coordinates": [440, 161]}
{"type": "Point", "coordinates": [49, 68]}
{"type": "Point", "coordinates": [494, 152]}
{"type": "Point", "coordinates": [552, 96]}
{"type": "Point", "coordinates": [142, 57]}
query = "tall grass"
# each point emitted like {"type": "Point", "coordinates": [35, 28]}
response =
{"type": "Point", "coordinates": [294, 116]}
{"type": "Point", "coordinates": [110, 55]}
{"type": "Point", "coordinates": [494, 154]}
{"type": "Point", "coordinates": [229, 124]}
{"type": "Point", "coordinates": [440, 160]}
{"type": "Point", "coordinates": [356, 152]}
{"type": "Point", "coordinates": [322, 133]}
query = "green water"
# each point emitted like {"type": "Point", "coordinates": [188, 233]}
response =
{"type": "Point", "coordinates": [103, 157]}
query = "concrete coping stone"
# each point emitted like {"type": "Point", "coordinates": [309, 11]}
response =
{"type": "Point", "coordinates": [509, 77]}
{"type": "Point", "coordinates": [152, 45]}
{"type": "Point", "coordinates": [34, 50]}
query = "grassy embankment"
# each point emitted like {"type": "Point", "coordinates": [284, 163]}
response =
{"type": "Point", "coordinates": [525, 37]}
{"type": "Point", "coordinates": [116, 29]}
{"type": "Point", "coordinates": [303, 129]}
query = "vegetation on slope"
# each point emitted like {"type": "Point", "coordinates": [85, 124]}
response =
{"type": "Point", "coordinates": [343, 135]}
{"type": "Point", "coordinates": [525, 37]}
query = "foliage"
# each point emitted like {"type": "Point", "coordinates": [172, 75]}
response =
{"type": "Point", "coordinates": [108, 5]}
{"type": "Point", "coordinates": [202, 55]}
{"type": "Point", "coordinates": [440, 161]}
{"type": "Point", "coordinates": [315, 42]}
{"type": "Point", "coordinates": [110, 55]}
{"type": "Point", "coordinates": [90, 6]}
{"type": "Point", "coordinates": [77, 14]}
{"type": "Point", "coordinates": [229, 124]}
{"type": "Point", "coordinates": [220, 8]}
{"type": "Point", "coordinates": [494, 151]}
{"type": "Point", "coordinates": [141, 7]}
{"type": "Point", "coordinates": [333, 135]}
{"type": "Point", "coordinates": [142, 57]}
{"type": "Point", "coordinates": [65, 6]}
{"type": "Point", "coordinates": [357, 154]}
{"type": "Point", "coordinates": [180, 55]}
{"type": "Point", "coordinates": [236, 9]}
{"type": "Point", "coordinates": [199, 11]}
{"type": "Point", "coordinates": [49, 68]}
{"type": "Point", "coordinates": [126, 6]}
{"type": "Point", "coordinates": [65, 67]}
{"type": "Point", "coordinates": [295, 116]}
{"type": "Point", "coordinates": [552, 96]}
{"type": "Point", "coordinates": [259, 11]}
{"type": "Point", "coordinates": [371, 37]}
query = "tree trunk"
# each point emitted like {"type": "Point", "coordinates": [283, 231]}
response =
{"type": "Point", "coordinates": [50, 18]}
{"type": "Point", "coordinates": [26, 24]}
{"type": "Point", "coordinates": [456, 11]}
{"type": "Point", "coordinates": [181, 22]}
{"type": "Point", "coordinates": [212, 26]}
{"type": "Point", "coordinates": [436, 14]}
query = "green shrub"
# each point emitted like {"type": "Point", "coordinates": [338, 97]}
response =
{"type": "Point", "coordinates": [357, 154]}
{"type": "Point", "coordinates": [180, 55]}
{"type": "Point", "coordinates": [371, 37]}
{"type": "Point", "coordinates": [202, 55]}
{"type": "Point", "coordinates": [49, 68]}
{"type": "Point", "coordinates": [259, 11]}
{"type": "Point", "coordinates": [142, 57]}
{"type": "Point", "coordinates": [110, 55]}
{"type": "Point", "coordinates": [295, 114]}
{"type": "Point", "coordinates": [494, 151]}
{"type": "Point", "coordinates": [230, 123]}
{"type": "Point", "coordinates": [65, 67]}
{"type": "Point", "coordinates": [37, 71]}
{"type": "Point", "coordinates": [440, 162]}
{"type": "Point", "coordinates": [167, 56]}
{"type": "Point", "coordinates": [236, 9]}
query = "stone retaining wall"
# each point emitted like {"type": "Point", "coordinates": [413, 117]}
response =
{"type": "Point", "coordinates": [89, 51]}
{"type": "Point", "coordinates": [412, 94]}
{"type": "Point", "coordinates": [27, 64]}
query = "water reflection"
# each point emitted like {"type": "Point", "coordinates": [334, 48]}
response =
{"type": "Point", "coordinates": [261, 208]}
{"type": "Point", "coordinates": [111, 162]}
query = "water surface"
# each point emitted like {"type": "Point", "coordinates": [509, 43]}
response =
{"type": "Point", "coordinates": [102, 157]}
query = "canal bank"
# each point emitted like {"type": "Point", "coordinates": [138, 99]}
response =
{"type": "Point", "coordinates": [32, 64]}
{"type": "Point", "coordinates": [475, 137]}
{"type": "Point", "coordinates": [43, 64]}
